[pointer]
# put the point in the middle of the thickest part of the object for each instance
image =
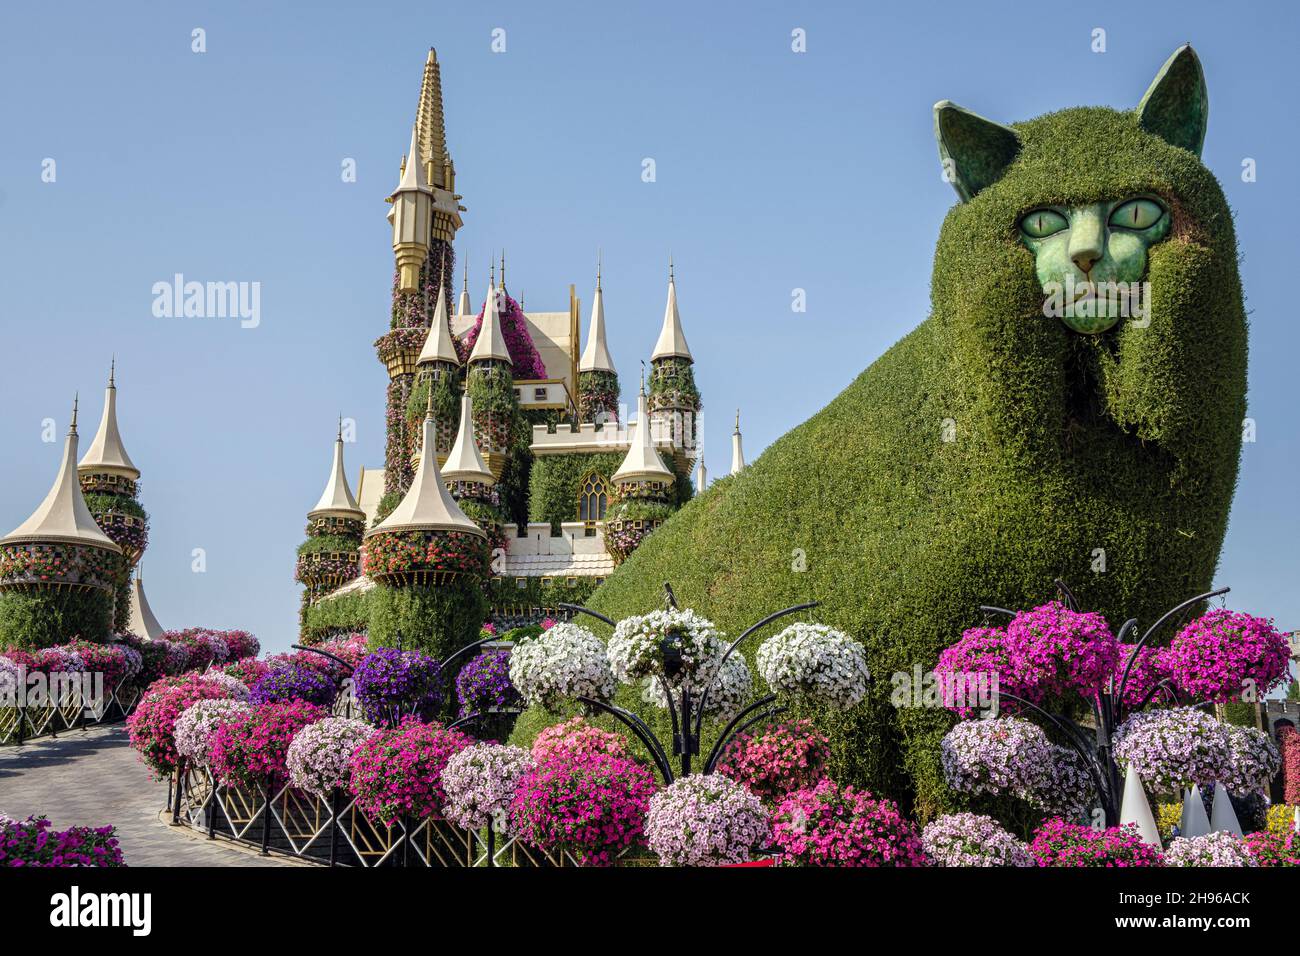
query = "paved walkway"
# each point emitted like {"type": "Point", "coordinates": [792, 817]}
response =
{"type": "Point", "coordinates": [94, 778]}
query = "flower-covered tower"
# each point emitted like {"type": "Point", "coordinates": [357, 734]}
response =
{"type": "Point", "coordinates": [59, 573]}
{"type": "Point", "coordinates": [425, 215]}
{"type": "Point", "coordinates": [490, 384]}
{"type": "Point", "coordinates": [110, 484]}
{"type": "Point", "coordinates": [643, 489]}
{"type": "Point", "coordinates": [674, 399]}
{"type": "Point", "coordinates": [438, 371]}
{"type": "Point", "coordinates": [598, 389]}
{"type": "Point", "coordinates": [429, 561]}
{"type": "Point", "coordinates": [331, 555]}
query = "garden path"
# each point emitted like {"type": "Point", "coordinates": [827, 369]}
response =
{"type": "Point", "coordinates": [94, 778]}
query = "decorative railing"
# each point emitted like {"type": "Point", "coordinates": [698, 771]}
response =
{"type": "Point", "coordinates": [68, 707]}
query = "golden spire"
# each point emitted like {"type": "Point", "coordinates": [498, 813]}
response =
{"type": "Point", "coordinates": [430, 122]}
{"type": "Point", "coordinates": [428, 408]}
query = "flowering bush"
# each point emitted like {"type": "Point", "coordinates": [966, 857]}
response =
{"type": "Point", "coordinates": [1055, 652]}
{"type": "Point", "coordinates": [199, 721]}
{"type": "Point", "coordinates": [1280, 818]}
{"type": "Point", "coordinates": [1213, 849]}
{"type": "Point", "coordinates": [564, 662]}
{"type": "Point", "coordinates": [705, 820]}
{"type": "Point", "coordinates": [480, 782]}
{"type": "Point", "coordinates": [778, 760]}
{"type": "Point", "coordinates": [297, 682]}
{"type": "Point", "coordinates": [816, 662]}
{"type": "Point", "coordinates": [59, 659]}
{"type": "Point", "coordinates": [152, 726]}
{"type": "Point", "coordinates": [1058, 843]}
{"type": "Point", "coordinates": [390, 685]}
{"type": "Point", "coordinates": [730, 686]}
{"type": "Point", "coordinates": [576, 738]}
{"type": "Point", "coordinates": [111, 660]}
{"type": "Point", "coordinates": [981, 653]}
{"type": "Point", "coordinates": [484, 684]}
{"type": "Point", "coordinates": [639, 643]}
{"type": "Point", "coordinates": [240, 644]}
{"type": "Point", "coordinates": [1274, 849]}
{"type": "Point", "coordinates": [398, 771]}
{"type": "Point", "coordinates": [1222, 653]}
{"type": "Point", "coordinates": [1253, 760]}
{"type": "Point", "coordinates": [995, 756]}
{"type": "Point", "coordinates": [205, 647]}
{"type": "Point", "coordinates": [968, 839]}
{"type": "Point", "coordinates": [526, 363]}
{"type": "Point", "coordinates": [33, 843]}
{"type": "Point", "coordinates": [247, 670]}
{"type": "Point", "coordinates": [233, 686]}
{"type": "Point", "coordinates": [1173, 749]}
{"type": "Point", "coordinates": [829, 825]}
{"type": "Point", "coordinates": [177, 656]}
{"type": "Point", "coordinates": [592, 806]}
{"type": "Point", "coordinates": [252, 749]}
{"type": "Point", "coordinates": [320, 756]}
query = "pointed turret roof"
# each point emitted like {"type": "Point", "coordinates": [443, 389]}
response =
{"type": "Point", "coordinates": [143, 623]}
{"type": "Point", "coordinates": [463, 307]}
{"type": "Point", "coordinates": [595, 355]}
{"type": "Point", "coordinates": [337, 497]}
{"type": "Point", "coordinates": [430, 122]}
{"type": "Point", "coordinates": [642, 462]}
{"type": "Point", "coordinates": [465, 463]}
{"type": "Point", "coordinates": [490, 344]}
{"type": "Point", "coordinates": [439, 347]}
{"type": "Point", "coordinates": [413, 171]}
{"type": "Point", "coordinates": [737, 449]}
{"type": "Point", "coordinates": [427, 505]}
{"type": "Point", "coordinates": [106, 453]}
{"type": "Point", "coordinates": [701, 473]}
{"type": "Point", "coordinates": [672, 340]}
{"type": "Point", "coordinates": [63, 515]}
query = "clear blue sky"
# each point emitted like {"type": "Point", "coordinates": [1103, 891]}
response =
{"type": "Point", "coordinates": [775, 171]}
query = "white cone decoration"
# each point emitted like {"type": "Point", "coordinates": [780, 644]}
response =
{"type": "Point", "coordinates": [1295, 820]}
{"type": "Point", "coordinates": [1198, 824]}
{"type": "Point", "coordinates": [1223, 818]}
{"type": "Point", "coordinates": [1182, 820]}
{"type": "Point", "coordinates": [1137, 810]}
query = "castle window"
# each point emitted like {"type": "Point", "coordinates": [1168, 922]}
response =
{"type": "Point", "coordinates": [593, 497]}
{"type": "Point", "coordinates": [521, 583]}
{"type": "Point", "coordinates": [547, 582]}
{"type": "Point", "coordinates": [539, 394]}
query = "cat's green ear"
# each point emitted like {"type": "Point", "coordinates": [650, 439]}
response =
{"type": "Point", "coordinates": [1177, 104]}
{"type": "Point", "coordinates": [975, 152]}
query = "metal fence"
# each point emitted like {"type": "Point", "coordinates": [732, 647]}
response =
{"type": "Point", "coordinates": [64, 710]}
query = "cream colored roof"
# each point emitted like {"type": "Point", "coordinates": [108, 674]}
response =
{"type": "Point", "coordinates": [143, 623]}
{"type": "Point", "coordinates": [642, 462]}
{"type": "Point", "coordinates": [490, 344]}
{"type": "Point", "coordinates": [438, 347]}
{"type": "Point", "coordinates": [370, 490]}
{"type": "Point", "coordinates": [672, 340]}
{"type": "Point", "coordinates": [595, 356]}
{"type": "Point", "coordinates": [63, 515]}
{"type": "Point", "coordinates": [465, 463]}
{"type": "Point", "coordinates": [337, 498]}
{"type": "Point", "coordinates": [429, 119]}
{"type": "Point", "coordinates": [106, 453]}
{"type": "Point", "coordinates": [428, 505]}
{"type": "Point", "coordinates": [413, 172]}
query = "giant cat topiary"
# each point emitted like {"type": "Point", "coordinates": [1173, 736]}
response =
{"type": "Point", "coordinates": [997, 446]}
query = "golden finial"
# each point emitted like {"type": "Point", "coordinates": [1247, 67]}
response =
{"type": "Point", "coordinates": [112, 371]}
{"type": "Point", "coordinates": [428, 407]}
{"type": "Point", "coordinates": [738, 421]}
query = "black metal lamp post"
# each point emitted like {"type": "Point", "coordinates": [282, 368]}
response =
{"type": "Point", "coordinates": [1108, 707]}
{"type": "Point", "coordinates": [686, 711]}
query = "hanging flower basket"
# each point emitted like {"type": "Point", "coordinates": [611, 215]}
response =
{"type": "Point", "coordinates": [400, 349]}
{"type": "Point", "coordinates": [127, 531]}
{"type": "Point", "coordinates": [39, 565]}
{"type": "Point", "coordinates": [423, 557]}
{"type": "Point", "coordinates": [624, 535]}
{"type": "Point", "coordinates": [328, 569]}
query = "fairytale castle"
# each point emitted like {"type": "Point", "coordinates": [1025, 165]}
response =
{"type": "Point", "coordinates": [520, 421]}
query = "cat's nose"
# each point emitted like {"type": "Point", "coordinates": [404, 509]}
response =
{"type": "Point", "coordinates": [1086, 260]}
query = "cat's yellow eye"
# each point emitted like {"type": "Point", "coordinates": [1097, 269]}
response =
{"type": "Point", "coordinates": [1137, 214]}
{"type": "Point", "coordinates": [1041, 223]}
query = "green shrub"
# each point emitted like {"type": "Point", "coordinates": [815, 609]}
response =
{"type": "Point", "coordinates": [32, 620]}
{"type": "Point", "coordinates": [345, 614]}
{"type": "Point", "coordinates": [437, 620]}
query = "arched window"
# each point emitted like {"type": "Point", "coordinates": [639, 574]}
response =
{"type": "Point", "coordinates": [593, 496]}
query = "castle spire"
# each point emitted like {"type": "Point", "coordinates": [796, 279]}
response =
{"type": "Point", "coordinates": [438, 346]}
{"type": "Point", "coordinates": [465, 462]}
{"type": "Point", "coordinates": [142, 620]}
{"type": "Point", "coordinates": [337, 500]}
{"type": "Point", "coordinates": [63, 515]}
{"type": "Point", "coordinates": [427, 505]}
{"type": "Point", "coordinates": [595, 355]}
{"type": "Point", "coordinates": [737, 449]}
{"type": "Point", "coordinates": [490, 344]}
{"type": "Point", "coordinates": [642, 462]}
{"type": "Point", "coordinates": [431, 124]}
{"type": "Point", "coordinates": [106, 454]}
{"type": "Point", "coordinates": [672, 340]}
{"type": "Point", "coordinates": [463, 307]}
{"type": "Point", "coordinates": [701, 473]}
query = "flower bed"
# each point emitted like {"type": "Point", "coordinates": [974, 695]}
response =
{"type": "Point", "coordinates": [397, 772]}
{"type": "Point", "coordinates": [706, 820]}
{"type": "Point", "coordinates": [777, 760]}
{"type": "Point", "coordinates": [34, 843]}
{"type": "Point", "coordinates": [152, 726]}
{"type": "Point", "coordinates": [969, 839]}
{"type": "Point", "coordinates": [296, 682]}
{"type": "Point", "coordinates": [1213, 849]}
{"type": "Point", "coordinates": [319, 759]}
{"type": "Point", "coordinates": [480, 783]}
{"type": "Point", "coordinates": [199, 721]}
{"type": "Point", "coordinates": [829, 825]}
{"type": "Point", "coordinates": [42, 565]}
{"type": "Point", "coordinates": [1058, 843]}
{"type": "Point", "coordinates": [252, 749]}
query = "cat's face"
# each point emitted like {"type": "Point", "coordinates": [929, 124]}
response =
{"type": "Point", "coordinates": [1093, 258]}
